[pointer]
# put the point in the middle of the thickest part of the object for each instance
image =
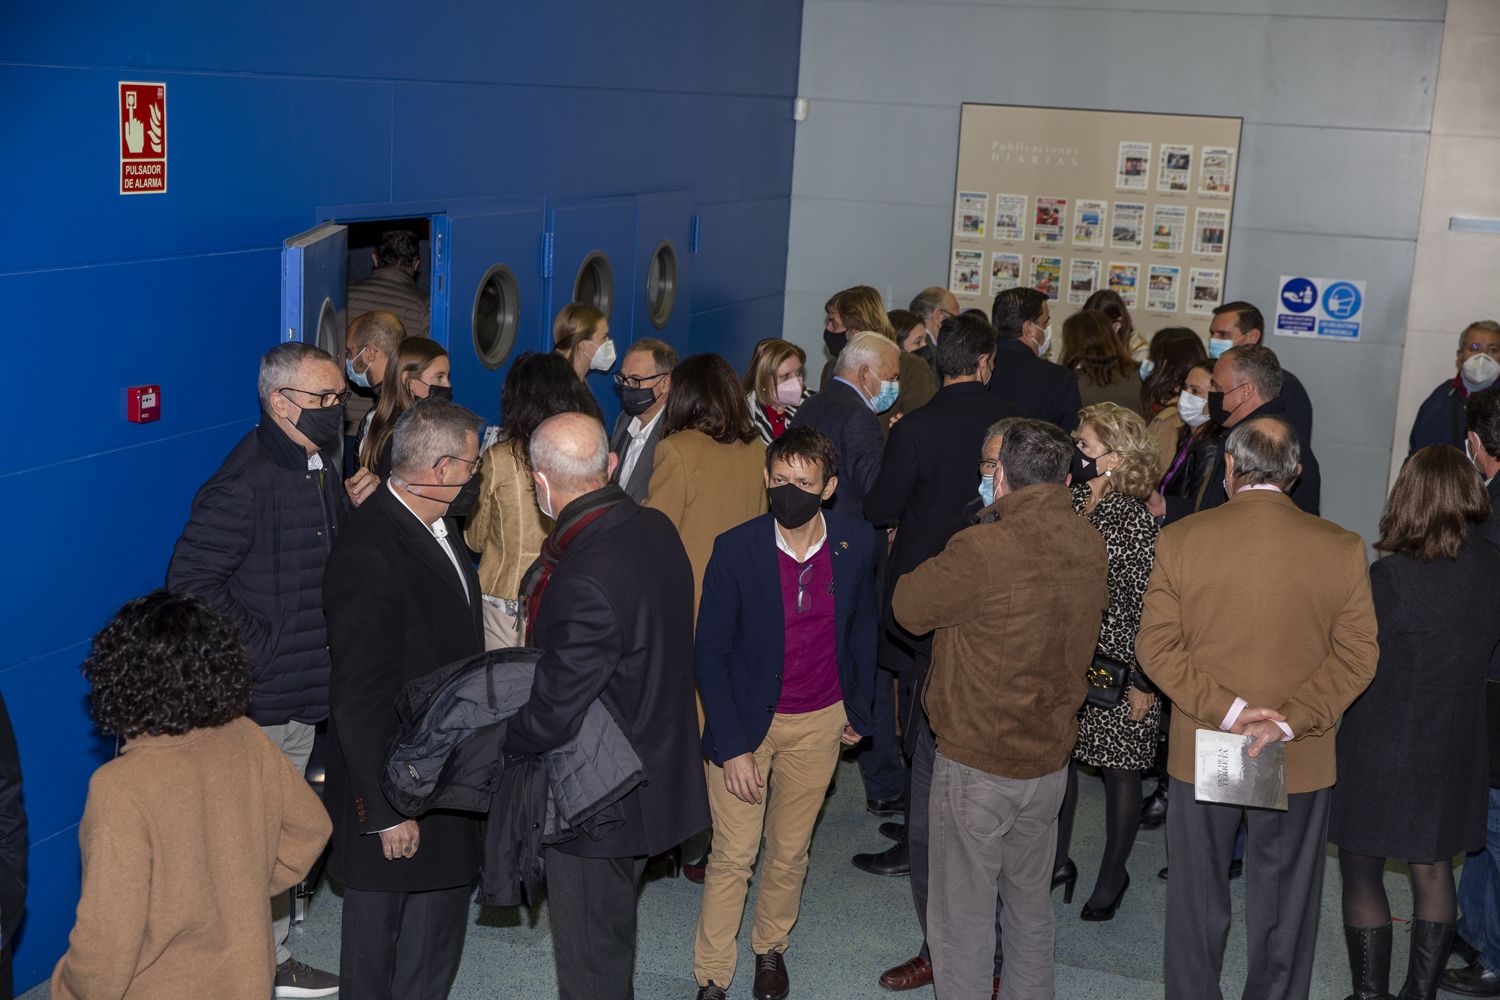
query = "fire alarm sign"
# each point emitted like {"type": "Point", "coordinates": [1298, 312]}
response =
{"type": "Point", "coordinates": [143, 138]}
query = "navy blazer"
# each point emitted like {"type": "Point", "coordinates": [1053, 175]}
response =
{"type": "Point", "coordinates": [841, 412]}
{"type": "Point", "coordinates": [1035, 386]}
{"type": "Point", "coordinates": [741, 638]}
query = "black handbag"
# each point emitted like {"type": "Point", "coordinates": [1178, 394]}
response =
{"type": "Point", "coordinates": [1106, 678]}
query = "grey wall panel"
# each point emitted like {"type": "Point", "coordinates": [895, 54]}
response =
{"type": "Point", "coordinates": [1337, 97]}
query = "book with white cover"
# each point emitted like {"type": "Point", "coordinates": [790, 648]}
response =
{"type": "Point", "coordinates": [1226, 773]}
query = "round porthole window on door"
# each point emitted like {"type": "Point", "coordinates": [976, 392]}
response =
{"type": "Point", "coordinates": [330, 337]}
{"type": "Point", "coordinates": [595, 284]}
{"type": "Point", "coordinates": [497, 315]}
{"type": "Point", "coordinates": [661, 284]}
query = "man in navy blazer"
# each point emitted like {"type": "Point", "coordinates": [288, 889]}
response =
{"type": "Point", "coordinates": [1024, 378]}
{"type": "Point", "coordinates": [785, 653]}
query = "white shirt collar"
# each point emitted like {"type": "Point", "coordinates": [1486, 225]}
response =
{"type": "Point", "coordinates": [812, 550]}
{"type": "Point", "coordinates": [1258, 486]}
{"type": "Point", "coordinates": [438, 528]}
{"type": "Point", "coordinates": [639, 432]}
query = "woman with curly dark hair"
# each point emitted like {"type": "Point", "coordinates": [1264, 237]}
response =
{"type": "Point", "coordinates": [187, 834]}
{"type": "Point", "coordinates": [506, 526]}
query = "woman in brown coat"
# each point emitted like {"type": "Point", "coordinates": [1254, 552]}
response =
{"type": "Point", "coordinates": [189, 833]}
{"type": "Point", "coordinates": [709, 472]}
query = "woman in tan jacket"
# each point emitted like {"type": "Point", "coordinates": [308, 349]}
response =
{"type": "Point", "coordinates": [709, 473]}
{"type": "Point", "coordinates": [506, 527]}
{"type": "Point", "coordinates": [189, 833]}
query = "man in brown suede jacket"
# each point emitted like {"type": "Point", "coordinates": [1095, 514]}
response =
{"type": "Point", "coordinates": [1016, 602]}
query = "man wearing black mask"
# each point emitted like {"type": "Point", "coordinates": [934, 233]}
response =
{"type": "Point", "coordinates": [402, 599]}
{"type": "Point", "coordinates": [785, 654]}
{"type": "Point", "coordinates": [254, 548]}
{"type": "Point", "coordinates": [643, 381]}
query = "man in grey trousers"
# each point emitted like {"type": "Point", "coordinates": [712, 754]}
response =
{"type": "Point", "coordinates": [1016, 602]}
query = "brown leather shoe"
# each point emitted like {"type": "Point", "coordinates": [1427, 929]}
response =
{"type": "Point", "coordinates": [771, 982]}
{"type": "Point", "coordinates": [909, 975]}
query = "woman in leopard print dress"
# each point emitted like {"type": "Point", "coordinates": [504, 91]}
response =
{"type": "Point", "coordinates": [1113, 472]}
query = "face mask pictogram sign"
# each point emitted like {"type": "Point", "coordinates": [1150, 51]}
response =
{"type": "Point", "coordinates": [143, 138]}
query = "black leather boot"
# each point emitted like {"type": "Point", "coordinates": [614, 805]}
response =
{"type": "Point", "coordinates": [1369, 961]}
{"type": "Point", "coordinates": [1429, 953]}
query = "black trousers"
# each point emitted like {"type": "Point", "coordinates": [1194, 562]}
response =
{"type": "Point", "coordinates": [1284, 858]}
{"type": "Point", "coordinates": [591, 904]}
{"type": "Point", "coordinates": [401, 945]}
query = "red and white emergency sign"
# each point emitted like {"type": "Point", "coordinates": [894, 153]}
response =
{"type": "Point", "coordinates": [143, 138]}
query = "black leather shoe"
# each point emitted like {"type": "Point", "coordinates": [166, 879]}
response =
{"type": "Point", "coordinates": [713, 991]}
{"type": "Point", "coordinates": [1154, 808]}
{"type": "Point", "coordinates": [894, 860]}
{"type": "Point", "coordinates": [1429, 953]}
{"type": "Point", "coordinates": [771, 982]}
{"type": "Point", "coordinates": [893, 831]}
{"type": "Point", "coordinates": [1474, 980]}
{"type": "Point", "coordinates": [886, 807]}
{"type": "Point", "coordinates": [1066, 875]}
{"type": "Point", "coordinates": [1464, 951]}
{"type": "Point", "coordinates": [1106, 912]}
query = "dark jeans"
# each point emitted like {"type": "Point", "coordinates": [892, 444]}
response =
{"type": "Point", "coordinates": [591, 905]}
{"type": "Point", "coordinates": [402, 945]}
{"type": "Point", "coordinates": [1479, 893]}
{"type": "Point", "coordinates": [880, 762]}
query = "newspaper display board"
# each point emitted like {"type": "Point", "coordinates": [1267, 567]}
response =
{"type": "Point", "coordinates": [1072, 201]}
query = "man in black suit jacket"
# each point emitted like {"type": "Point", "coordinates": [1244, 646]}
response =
{"type": "Point", "coordinates": [928, 482]}
{"type": "Point", "coordinates": [402, 600]}
{"type": "Point", "coordinates": [1246, 383]}
{"type": "Point", "coordinates": [1237, 324]}
{"type": "Point", "coordinates": [1038, 388]}
{"type": "Point", "coordinates": [846, 411]}
{"type": "Point", "coordinates": [643, 381]}
{"type": "Point", "coordinates": [610, 601]}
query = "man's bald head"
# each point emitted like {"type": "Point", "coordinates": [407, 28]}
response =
{"type": "Point", "coordinates": [572, 452]}
{"type": "Point", "coordinates": [1263, 450]}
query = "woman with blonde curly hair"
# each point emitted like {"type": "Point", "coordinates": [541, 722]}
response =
{"type": "Point", "coordinates": [1114, 470]}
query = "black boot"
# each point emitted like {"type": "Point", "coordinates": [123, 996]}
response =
{"type": "Point", "coordinates": [1369, 961]}
{"type": "Point", "coordinates": [1429, 953]}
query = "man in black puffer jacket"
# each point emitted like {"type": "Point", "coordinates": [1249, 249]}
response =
{"type": "Point", "coordinates": [255, 547]}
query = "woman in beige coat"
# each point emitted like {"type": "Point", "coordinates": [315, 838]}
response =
{"type": "Point", "coordinates": [709, 473]}
{"type": "Point", "coordinates": [189, 833]}
{"type": "Point", "coordinates": [506, 527]}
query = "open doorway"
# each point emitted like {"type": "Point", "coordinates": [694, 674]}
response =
{"type": "Point", "coordinates": [389, 269]}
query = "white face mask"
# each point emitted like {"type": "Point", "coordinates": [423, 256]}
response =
{"type": "Point", "coordinates": [544, 505]}
{"type": "Point", "coordinates": [789, 392]}
{"type": "Point", "coordinates": [1192, 409]}
{"type": "Point", "coordinates": [1041, 352]}
{"type": "Point", "coordinates": [1480, 372]}
{"type": "Point", "coordinates": [604, 358]}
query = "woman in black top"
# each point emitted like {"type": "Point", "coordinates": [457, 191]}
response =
{"type": "Point", "coordinates": [1413, 780]}
{"type": "Point", "coordinates": [1198, 441]}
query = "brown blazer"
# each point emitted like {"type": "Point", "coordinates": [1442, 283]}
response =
{"type": "Point", "coordinates": [506, 527]}
{"type": "Point", "coordinates": [705, 488]}
{"type": "Point", "coordinates": [1260, 601]}
{"type": "Point", "coordinates": [185, 839]}
{"type": "Point", "coordinates": [1017, 604]}
{"type": "Point", "coordinates": [1164, 430]}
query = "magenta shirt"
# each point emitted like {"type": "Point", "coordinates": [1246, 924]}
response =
{"type": "Point", "coordinates": [810, 674]}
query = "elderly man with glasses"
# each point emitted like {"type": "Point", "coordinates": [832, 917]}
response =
{"type": "Point", "coordinates": [786, 669]}
{"type": "Point", "coordinates": [254, 548]}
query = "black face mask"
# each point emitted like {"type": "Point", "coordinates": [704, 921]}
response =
{"type": "Point", "coordinates": [323, 427]}
{"type": "Point", "coordinates": [792, 506]}
{"type": "Point", "coordinates": [1084, 468]}
{"type": "Point", "coordinates": [1216, 411]}
{"type": "Point", "coordinates": [440, 392]}
{"type": "Point", "coordinates": [636, 401]}
{"type": "Point", "coordinates": [463, 501]}
{"type": "Point", "coordinates": [835, 342]}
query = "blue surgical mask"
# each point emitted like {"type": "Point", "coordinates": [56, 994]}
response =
{"type": "Point", "coordinates": [1217, 346]}
{"type": "Point", "coordinates": [1147, 367]}
{"type": "Point", "coordinates": [886, 397]}
{"type": "Point", "coordinates": [361, 379]}
{"type": "Point", "coordinates": [987, 490]}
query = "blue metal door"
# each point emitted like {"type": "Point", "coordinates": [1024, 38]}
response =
{"type": "Point", "coordinates": [664, 252]}
{"type": "Point", "coordinates": [587, 231]}
{"type": "Point", "coordinates": [314, 285]}
{"type": "Point", "coordinates": [487, 276]}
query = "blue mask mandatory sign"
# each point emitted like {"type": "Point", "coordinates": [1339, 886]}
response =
{"type": "Point", "coordinates": [1324, 308]}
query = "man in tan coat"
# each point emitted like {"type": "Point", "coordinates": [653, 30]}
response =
{"type": "Point", "coordinates": [1016, 602]}
{"type": "Point", "coordinates": [1259, 621]}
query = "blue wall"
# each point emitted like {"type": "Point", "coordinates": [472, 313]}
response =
{"type": "Point", "coordinates": [275, 111]}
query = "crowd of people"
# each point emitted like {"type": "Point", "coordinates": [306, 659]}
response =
{"type": "Point", "coordinates": [983, 573]}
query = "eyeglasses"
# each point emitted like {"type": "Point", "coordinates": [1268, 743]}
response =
{"type": "Point", "coordinates": [1225, 392]}
{"type": "Point", "coordinates": [804, 575]}
{"type": "Point", "coordinates": [636, 381]}
{"type": "Point", "coordinates": [474, 466]}
{"type": "Point", "coordinates": [988, 466]}
{"type": "Point", "coordinates": [325, 399]}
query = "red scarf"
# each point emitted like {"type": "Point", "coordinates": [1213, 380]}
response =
{"type": "Point", "coordinates": [572, 520]}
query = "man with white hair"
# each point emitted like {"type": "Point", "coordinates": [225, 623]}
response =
{"type": "Point", "coordinates": [866, 381]}
{"type": "Point", "coordinates": [610, 604]}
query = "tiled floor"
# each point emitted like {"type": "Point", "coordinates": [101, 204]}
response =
{"type": "Point", "coordinates": [855, 925]}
